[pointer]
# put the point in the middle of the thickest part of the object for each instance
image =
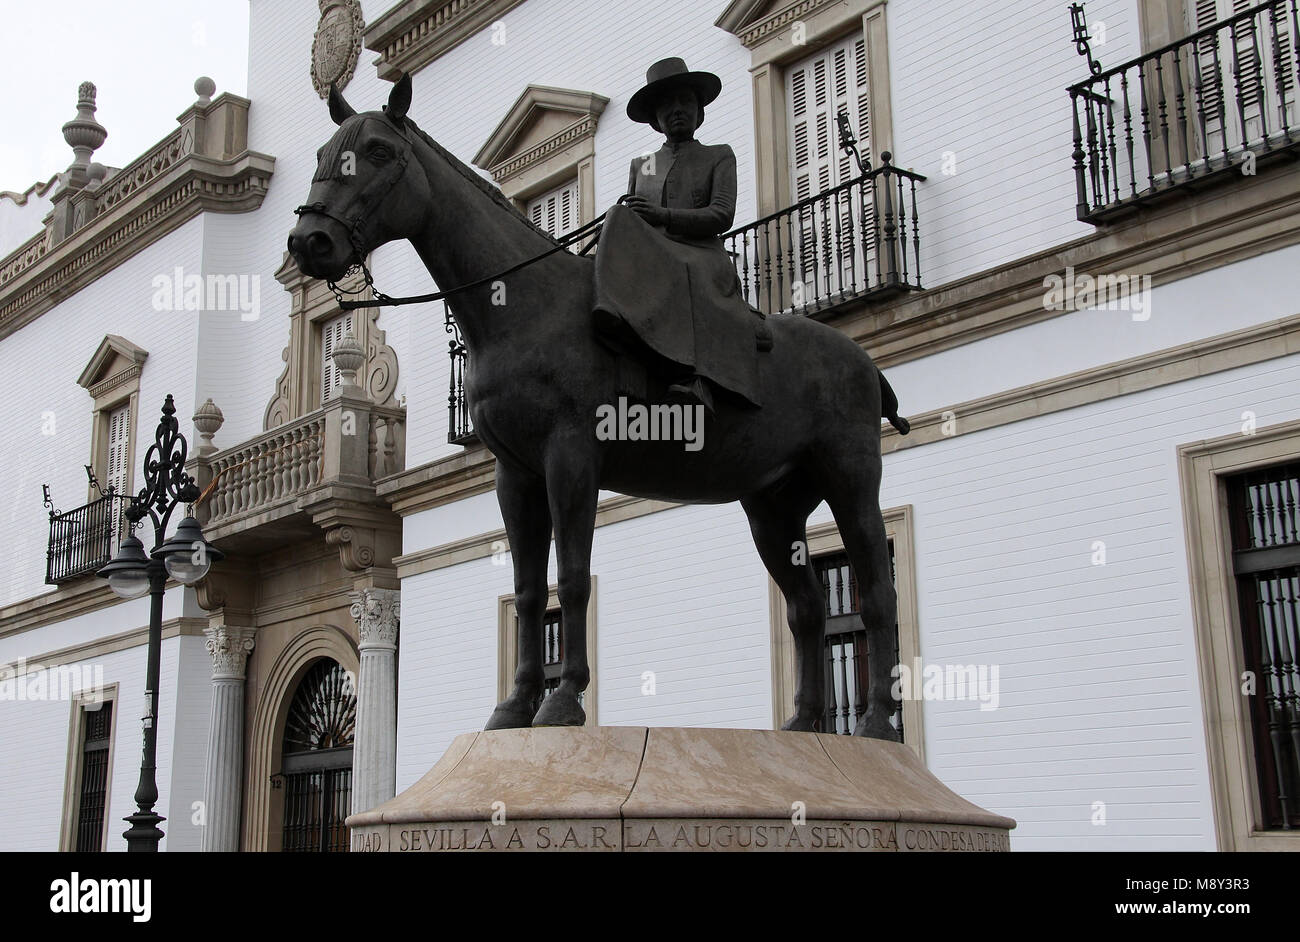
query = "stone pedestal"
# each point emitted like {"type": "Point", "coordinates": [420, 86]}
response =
{"type": "Point", "coordinates": [663, 789]}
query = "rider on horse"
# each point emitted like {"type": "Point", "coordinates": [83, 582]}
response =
{"type": "Point", "coordinates": [662, 272]}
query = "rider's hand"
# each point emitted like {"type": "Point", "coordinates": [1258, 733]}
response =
{"type": "Point", "coordinates": [655, 215]}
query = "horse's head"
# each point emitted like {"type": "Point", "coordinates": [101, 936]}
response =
{"type": "Point", "coordinates": [368, 189]}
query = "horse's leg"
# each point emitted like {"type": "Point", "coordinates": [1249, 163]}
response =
{"type": "Point", "coordinates": [528, 525]}
{"type": "Point", "coordinates": [779, 524]}
{"type": "Point", "coordinates": [572, 489]}
{"type": "Point", "coordinates": [855, 502]}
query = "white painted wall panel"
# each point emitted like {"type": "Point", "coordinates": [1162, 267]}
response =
{"type": "Point", "coordinates": [43, 361]}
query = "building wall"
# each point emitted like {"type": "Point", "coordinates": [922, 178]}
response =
{"type": "Point", "coordinates": [47, 417]}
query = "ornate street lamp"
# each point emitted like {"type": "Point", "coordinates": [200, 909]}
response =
{"type": "Point", "coordinates": [186, 557]}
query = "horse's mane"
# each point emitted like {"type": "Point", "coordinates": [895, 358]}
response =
{"type": "Point", "coordinates": [488, 188]}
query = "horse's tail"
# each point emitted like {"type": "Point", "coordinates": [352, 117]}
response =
{"type": "Point", "coordinates": [889, 405]}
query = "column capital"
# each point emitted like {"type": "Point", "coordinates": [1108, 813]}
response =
{"type": "Point", "coordinates": [229, 646]}
{"type": "Point", "coordinates": [377, 613]}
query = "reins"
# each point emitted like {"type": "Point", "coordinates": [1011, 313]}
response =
{"type": "Point", "coordinates": [380, 299]}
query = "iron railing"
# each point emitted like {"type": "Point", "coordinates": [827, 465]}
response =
{"type": "Point", "coordinates": [1209, 105]}
{"type": "Point", "coordinates": [857, 239]}
{"type": "Point", "coordinates": [460, 430]}
{"type": "Point", "coordinates": [83, 539]}
{"type": "Point", "coordinates": [1265, 514]}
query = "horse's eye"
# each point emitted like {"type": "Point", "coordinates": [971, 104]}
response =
{"type": "Point", "coordinates": [380, 152]}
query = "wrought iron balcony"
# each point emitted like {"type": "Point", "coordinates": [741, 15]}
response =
{"type": "Point", "coordinates": [859, 239]}
{"type": "Point", "coordinates": [1206, 107]}
{"type": "Point", "coordinates": [83, 539]}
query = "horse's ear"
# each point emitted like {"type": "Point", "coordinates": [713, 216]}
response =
{"type": "Point", "coordinates": [399, 100]}
{"type": "Point", "coordinates": [340, 110]}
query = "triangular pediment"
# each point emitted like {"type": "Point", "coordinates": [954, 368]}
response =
{"type": "Point", "coordinates": [114, 355]}
{"type": "Point", "coordinates": [540, 113]}
{"type": "Point", "coordinates": [741, 13]}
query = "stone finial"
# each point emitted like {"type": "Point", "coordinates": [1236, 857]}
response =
{"type": "Point", "coordinates": [83, 133]}
{"type": "Point", "coordinates": [207, 419]}
{"type": "Point", "coordinates": [204, 87]}
{"type": "Point", "coordinates": [348, 356]}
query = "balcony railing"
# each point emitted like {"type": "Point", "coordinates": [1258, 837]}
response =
{"type": "Point", "coordinates": [1210, 105]}
{"type": "Point", "coordinates": [83, 539]}
{"type": "Point", "coordinates": [858, 239]}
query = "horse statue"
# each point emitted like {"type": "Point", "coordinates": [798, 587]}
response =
{"type": "Point", "coordinates": [538, 376]}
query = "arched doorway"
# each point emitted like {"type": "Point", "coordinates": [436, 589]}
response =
{"type": "Point", "coordinates": [317, 759]}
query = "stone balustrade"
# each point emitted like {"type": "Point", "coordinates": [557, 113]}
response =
{"type": "Point", "coordinates": [348, 442]}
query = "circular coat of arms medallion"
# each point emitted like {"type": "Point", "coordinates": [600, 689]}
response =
{"type": "Point", "coordinates": [336, 46]}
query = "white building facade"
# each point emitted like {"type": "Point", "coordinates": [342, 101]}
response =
{"type": "Point", "coordinates": [1085, 300]}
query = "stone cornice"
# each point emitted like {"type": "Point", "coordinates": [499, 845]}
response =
{"type": "Point", "coordinates": [415, 32]}
{"type": "Point", "coordinates": [202, 166]}
{"type": "Point", "coordinates": [747, 20]}
{"type": "Point", "coordinates": [579, 131]}
{"type": "Point", "coordinates": [578, 109]}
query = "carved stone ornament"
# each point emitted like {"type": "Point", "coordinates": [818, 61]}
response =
{"type": "Point", "coordinates": [229, 647]}
{"type": "Point", "coordinates": [377, 613]}
{"type": "Point", "coordinates": [336, 46]}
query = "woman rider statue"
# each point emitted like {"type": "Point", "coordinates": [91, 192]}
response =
{"type": "Point", "coordinates": [661, 268]}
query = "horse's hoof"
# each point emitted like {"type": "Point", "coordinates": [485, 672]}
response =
{"type": "Point", "coordinates": [510, 714]}
{"type": "Point", "coordinates": [801, 723]}
{"type": "Point", "coordinates": [561, 708]}
{"type": "Point", "coordinates": [871, 728]}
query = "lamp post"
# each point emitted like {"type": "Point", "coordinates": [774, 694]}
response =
{"type": "Point", "coordinates": [186, 557]}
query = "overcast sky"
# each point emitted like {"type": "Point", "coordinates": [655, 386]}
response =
{"type": "Point", "coordinates": [143, 57]}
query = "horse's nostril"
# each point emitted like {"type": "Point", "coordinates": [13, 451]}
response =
{"type": "Point", "coordinates": [293, 244]}
{"type": "Point", "coordinates": [319, 244]}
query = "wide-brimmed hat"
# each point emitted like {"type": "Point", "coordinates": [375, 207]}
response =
{"type": "Point", "coordinates": [668, 74]}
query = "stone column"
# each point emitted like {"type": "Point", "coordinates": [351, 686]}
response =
{"type": "Point", "coordinates": [374, 752]}
{"type": "Point", "coordinates": [229, 646]}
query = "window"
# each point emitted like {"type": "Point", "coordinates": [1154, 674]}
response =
{"type": "Point", "coordinates": [117, 470]}
{"type": "Point", "coordinates": [89, 771]}
{"type": "Point", "coordinates": [1241, 516]}
{"type": "Point", "coordinates": [316, 763]}
{"type": "Point", "coordinates": [556, 211]}
{"type": "Point", "coordinates": [838, 61]}
{"type": "Point", "coordinates": [1252, 61]}
{"type": "Point", "coordinates": [97, 736]}
{"type": "Point", "coordinates": [331, 332]}
{"type": "Point", "coordinates": [829, 83]}
{"type": "Point", "coordinates": [1264, 507]}
{"type": "Point", "coordinates": [846, 654]}
{"type": "Point", "coordinates": [553, 646]}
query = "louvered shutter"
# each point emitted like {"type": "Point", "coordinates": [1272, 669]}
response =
{"type": "Point", "coordinates": [1246, 69]}
{"type": "Point", "coordinates": [828, 83]}
{"type": "Point", "coordinates": [118, 462]}
{"type": "Point", "coordinates": [332, 331]}
{"type": "Point", "coordinates": [556, 212]}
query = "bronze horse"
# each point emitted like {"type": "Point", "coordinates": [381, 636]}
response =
{"type": "Point", "coordinates": [537, 375]}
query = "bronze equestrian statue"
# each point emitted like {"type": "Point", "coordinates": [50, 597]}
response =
{"type": "Point", "coordinates": [539, 372]}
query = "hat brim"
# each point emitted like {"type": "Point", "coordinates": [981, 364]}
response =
{"type": "Point", "coordinates": [641, 106]}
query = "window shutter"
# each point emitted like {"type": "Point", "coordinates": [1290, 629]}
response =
{"type": "Point", "coordinates": [831, 82]}
{"type": "Point", "coordinates": [332, 331]}
{"type": "Point", "coordinates": [119, 444]}
{"type": "Point", "coordinates": [556, 212]}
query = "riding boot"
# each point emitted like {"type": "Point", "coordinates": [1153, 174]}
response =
{"type": "Point", "coordinates": [694, 390]}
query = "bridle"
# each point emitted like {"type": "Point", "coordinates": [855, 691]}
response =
{"type": "Point", "coordinates": [354, 218]}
